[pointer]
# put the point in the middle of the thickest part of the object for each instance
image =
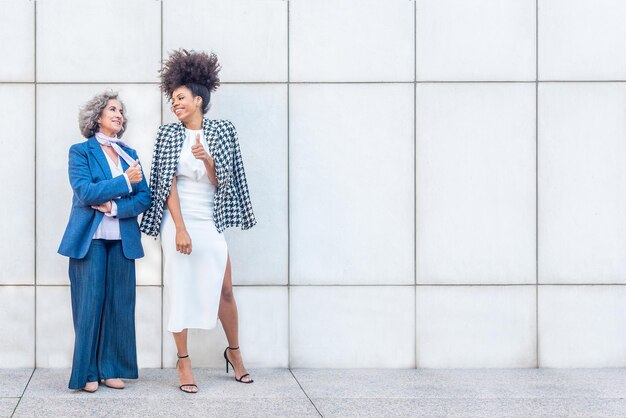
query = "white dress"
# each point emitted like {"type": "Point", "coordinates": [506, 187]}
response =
{"type": "Point", "coordinates": [193, 282]}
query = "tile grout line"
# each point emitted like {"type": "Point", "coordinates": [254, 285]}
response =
{"type": "Point", "coordinates": [537, 182]}
{"type": "Point", "coordinates": [305, 394]}
{"type": "Point", "coordinates": [156, 83]}
{"type": "Point", "coordinates": [360, 285]}
{"type": "Point", "coordinates": [161, 248]}
{"type": "Point", "coordinates": [415, 182]}
{"type": "Point", "coordinates": [23, 392]}
{"type": "Point", "coordinates": [288, 199]}
{"type": "Point", "coordinates": [35, 186]}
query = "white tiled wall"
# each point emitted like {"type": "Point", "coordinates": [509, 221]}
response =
{"type": "Point", "coordinates": [17, 169]}
{"type": "Point", "coordinates": [438, 176]}
{"type": "Point", "coordinates": [485, 40]}
{"type": "Point", "coordinates": [476, 326]}
{"type": "Point", "coordinates": [475, 183]}
{"type": "Point", "coordinates": [72, 47]}
{"type": "Point", "coordinates": [17, 24]}
{"type": "Point", "coordinates": [367, 40]}
{"type": "Point", "coordinates": [580, 40]}
{"type": "Point", "coordinates": [55, 331]}
{"type": "Point", "coordinates": [351, 185]}
{"type": "Point", "coordinates": [148, 326]}
{"type": "Point", "coordinates": [17, 310]}
{"type": "Point", "coordinates": [582, 326]}
{"type": "Point", "coordinates": [352, 326]}
{"type": "Point", "coordinates": [582, 173]}
{"type": "Point", "coordinates": [248, 36]}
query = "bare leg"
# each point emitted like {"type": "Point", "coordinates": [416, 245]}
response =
{"type": "Point", "coordinates": [230, 321]}
{"type": "Point", "coordinates": [184, 364]}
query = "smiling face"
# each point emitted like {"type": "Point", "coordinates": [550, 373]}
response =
{"type": "Point", "coordinates": [111, 118]}
{"type": "Point", "coordinates": [185, 106]}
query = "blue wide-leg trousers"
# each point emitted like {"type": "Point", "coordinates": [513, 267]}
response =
{"type": "Point", "coordinates": [103, 309]}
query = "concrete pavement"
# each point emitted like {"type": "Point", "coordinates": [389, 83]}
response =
{"type": "Point", "coordinates": [328, 393]}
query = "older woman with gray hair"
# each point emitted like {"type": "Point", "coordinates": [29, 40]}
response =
{"type": "Point", "coordinates": [102, 241]}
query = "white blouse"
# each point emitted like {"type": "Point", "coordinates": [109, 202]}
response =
{"type": "Point", "coordinates": [109, 228]}
{"type": "Point", "coordinates": [187, 163]}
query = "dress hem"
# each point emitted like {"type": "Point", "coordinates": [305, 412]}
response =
{"type": "Point", "coordinates": [206, 327]}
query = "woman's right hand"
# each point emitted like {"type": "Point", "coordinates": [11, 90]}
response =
{"type": "Point", "coordinates": [183, 241]}
{"type": "Point", "coordinates": [134, 173]}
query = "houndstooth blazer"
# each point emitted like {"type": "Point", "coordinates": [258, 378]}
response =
{"type": "Point", "coordinates": [232, 199]}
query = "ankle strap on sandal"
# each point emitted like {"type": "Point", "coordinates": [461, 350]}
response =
{"type": "Point", "coordinates": [182, 356]}
{"type": "Point", "coordinates": [233, 348]}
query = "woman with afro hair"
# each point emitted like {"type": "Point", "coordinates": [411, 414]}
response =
{"type": "Point", "coordinates": [198, 189]}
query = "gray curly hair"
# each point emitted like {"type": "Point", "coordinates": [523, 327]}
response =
{"type": "Point", "coordinates": [91, 111]}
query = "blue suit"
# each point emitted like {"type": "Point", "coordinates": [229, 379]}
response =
{"type": "Point", "coordinates": [102, 272]}
{"type": "Point", "coordinates": [90, 177]}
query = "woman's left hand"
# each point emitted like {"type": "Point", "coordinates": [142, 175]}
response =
{"type": "Point", "coordinates": [199, 152]}
{"type": "Point", "coordinates": [103, 207]}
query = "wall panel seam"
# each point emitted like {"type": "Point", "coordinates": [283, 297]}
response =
{"type": "Point", "coordinates": [35, 181]}
{"type": "Point", "coordinates": [288, 192]}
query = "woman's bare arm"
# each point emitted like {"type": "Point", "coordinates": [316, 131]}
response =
{"type": "Point", "coordinates": [183, 240]}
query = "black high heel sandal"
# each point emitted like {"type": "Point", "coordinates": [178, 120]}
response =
{"type": "Point", "coordinates": [228, 362]}
{"type": "Point", "coordinates": [186, 384]}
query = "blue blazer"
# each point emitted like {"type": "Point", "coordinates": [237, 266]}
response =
{"type": "Point", "coordinates": [92, 183]}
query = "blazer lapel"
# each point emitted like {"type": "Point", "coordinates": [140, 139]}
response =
{"type": "Point", "coordinates": [172, 147]}
{"type": "Point", "coordinates": [98, 154]}
{"type": "Point", "coordinates": [125, 166]}
{"type": "Point", "coordinates": [215, 148]}
{"type": "Point", "coordinates": [212, 140]}
{"type": "Point", "coordinates": [210, 135]}
{"type": "Point", "coordinates": [176, 140]}
{"type": "Point", "coordinates": [123, 161]}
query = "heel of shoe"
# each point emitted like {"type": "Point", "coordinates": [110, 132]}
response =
{"type": "Point", "coordinates": [226, 358]}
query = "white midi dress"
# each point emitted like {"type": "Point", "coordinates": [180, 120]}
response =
{"type": "Point", "coordinates": [193, 283]}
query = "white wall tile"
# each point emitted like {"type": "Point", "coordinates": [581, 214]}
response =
{"type": "Point", "coordinates": [476, 183]}
{"type": "Point", "coordinates": [582, 160]}
{"type": "Point", "coordinates": [263, 332]}
{"type": "Point", "coordinates": [476, 326]}
{"type": "Point", "coordinates": [55, 330]}
{"type": "Point", "coordinates": [351, 185]}
{"type": "Point", "coordinates": [263, 325]}
{"type": "Point", "coordinates": [17, 30]}
{"type": "Point", "coordinates": [259, 112]}
{"type": "Point", "coordinates": [352, 326]}
{"type": "Point", "coordinates": [366, 40]}
{"type": "Point", "coordinates": [580, 40]}
{"type": "Point", "coordinates": [148, 268]}
{"type": "Point", "coordinates": [582, 326]}
{"type": "Point", "coordinates": [476, 40]}
{"type": "Point", "coordinates": [109, 41]}
{"type": "Point", "coordinates": [17, 310]}
{"type": "Point", "coordinates": [148, 326]}
{"type": "Point", "coordinates": [57, 129]}
{"type": "Point", "coordinates": [17, 167]}
{"type": "Point", "coordinates": [249, 37]}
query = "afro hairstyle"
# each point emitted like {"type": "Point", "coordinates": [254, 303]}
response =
{"type": "Point", "coordinates": [198, 71]}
